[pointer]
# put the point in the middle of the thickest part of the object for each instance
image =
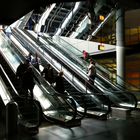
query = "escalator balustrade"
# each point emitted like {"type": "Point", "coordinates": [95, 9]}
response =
{"type": "Point", "coordinates": [120, 97]}
{"type": "Point", "coordinates": [47, 97]}
{"type": "Point", "coordinates": [31, 49]}
{"type": "Point", "coordinates": [28, 111]}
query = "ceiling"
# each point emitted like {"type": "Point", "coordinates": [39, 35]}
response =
{"type": "Point", "coordinates": [12, 10]}
{"type": "Point", "coordinates": [84, 20]}
{"type": "Point", "coordinates": [75, 19]}
{"type": "Point", "coordinates": [87, 11]}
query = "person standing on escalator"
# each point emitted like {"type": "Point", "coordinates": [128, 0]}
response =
{"type": "Point", "coordinates": [36, 62]}
{"type": "Point", "coordinates": [91, 72]}
{"type": "Point", "coordinates": [59, 83]}
{"type": "Point", "coordinates": [85, 55]}
{"type": "Point", "coordinates": [48, 74]}
{"type": "Point", "coordinates": [29, 57]}
{"type": "Point", "coordinates": [28, 81]}
{"type": "Point", "coordinates": [19, 75]}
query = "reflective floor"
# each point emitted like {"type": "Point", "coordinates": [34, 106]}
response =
{"type": "Point", "coordinates": [119, 128]}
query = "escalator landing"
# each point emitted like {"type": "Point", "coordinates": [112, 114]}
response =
{"type": "Point", "coordinates": [113, 128]}
{"type": "Point", "coordinates": [94, 129]}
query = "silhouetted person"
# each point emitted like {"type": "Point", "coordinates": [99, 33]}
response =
{"type": "Point", "coordinates": [28, 81]}
{"type": "Point", "coordinates": [48, 74]}
{"type": "Point", "coordinates": [19, 73]}
{"type": "Point", "coordinates": [29, 57]}
{"type": "Point", "coordinates": [22, 68]}
{"type": "Point", "coordinates": [36, 62]}
{"type": "Point", "coordinates": [59, 87]}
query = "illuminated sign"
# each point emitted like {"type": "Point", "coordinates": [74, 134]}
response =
{"type": "Point", "coordinates": [101, 47]}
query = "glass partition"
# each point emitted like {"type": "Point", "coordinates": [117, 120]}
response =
{"type": "Point", "coordinates": [44, 93]}
{"type": "Point", "coordinates": [49, 55]}
{"type": "Point", "coordinates": [115, 96]}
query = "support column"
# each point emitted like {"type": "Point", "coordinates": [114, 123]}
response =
{"type": "Point", "coordinates": [120, 42]}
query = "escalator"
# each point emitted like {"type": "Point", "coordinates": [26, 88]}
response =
{"type": "Point", "coordinates": [28, 111]}
{"type": "Point", "coordinates": [103, 74]}
{"type": "Point", "coordinates": [118, 96]}
{"type": "Point", "coordinates": [101, 69]}
{"type": "Point", "coordinates": [97, 105]}
{"type": "Point", "coordinates": [55, 108]}
{"type": "Point", "coordinates": [58, 14]}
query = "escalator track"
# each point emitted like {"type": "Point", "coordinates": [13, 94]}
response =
{"type": "Point", "coordinates": [28, 111]}
{"type": "Point", "coordinates": [54, 114]}
{"type": "Point", "coordinates": [94, 104]}
{"type": "Point", "coordinates": [118, 96]}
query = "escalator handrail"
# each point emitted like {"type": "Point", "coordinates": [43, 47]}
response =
{"type": "Point", "coordinates": [85, 107]}
{"type": "Point", "coordinates": [61, 61]}
{"type": "Point", "coordinates": [58, 8]}
{"type": "Point", "coordinates": [39, 114]}
{"type": "Point", "coordinates": [120, 91]}
{"type": "Point", "coordinates": [16, 93]}
{"type": "Point", "coordinates": [57, 58]}
{"type": "Point", "coordinates": [135, 100]}
{"type": "Point", "coordinates": [42, 80]}
{"type": "Point", "coordinates": [52, 94]}
{"type": "Point", "coordinates": [14, 90]}
{"type": "Point", "coordinates": [69, 52]}
{"type": "Point", "coordinates": [85, 72]}
{"type": "Point", "coordinates": [9, 81]}
{"type": "Point", "coordinates": [9, 97]}
{"type": "Point", "coordinates": [99, 66]}
{"type": "Point", "coordinates": [65, 97]}
{"type": "Point", "coordinates": [127, 94]}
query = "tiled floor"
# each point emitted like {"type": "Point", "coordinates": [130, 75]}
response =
{"type": "Point", "coordinates": [113, 129]}
{"type": "Point", "coordinates": [90, 129]}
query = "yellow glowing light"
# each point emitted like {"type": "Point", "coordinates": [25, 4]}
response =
{"type": "Point", "coordinates": [101, 47]}
{"type": "Point", "coordinates": [101, 17]}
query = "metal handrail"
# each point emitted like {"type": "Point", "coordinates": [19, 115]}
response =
{"type": "Point", "coordinates": [65, 97]}
{"type": "Point", "coordinates": [98, 65]}
{"type": "Point", "coordinates": [85, 107]}
{"type": "Point", "coordinates": [41, 79]}
{"type": "Point", "coordinates": [51, 19]}
{"type": "Point", "coordinates": [115, 91]}
{"type": "Point", "coordinates": [16, 98]}
{"type": "Point", "coordinates": [8, 96]}
{"type": "Point", "coordinates": [93, 87]}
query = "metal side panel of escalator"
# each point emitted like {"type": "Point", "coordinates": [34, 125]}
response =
{"type": "Point", "coordinates": [75, 119]}
{"type": "Point", "coordinates": [119, 98]}
{"type": "Point", "coordinates": [92, 103]}
{"type": "Point", "coordinates": [27, 111]}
